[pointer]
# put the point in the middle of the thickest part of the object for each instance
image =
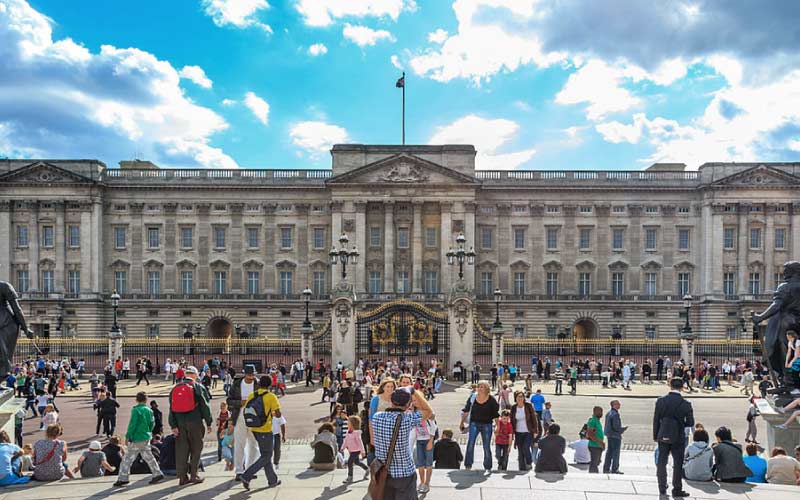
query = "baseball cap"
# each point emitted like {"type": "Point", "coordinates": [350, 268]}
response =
{"type": "Point", "coordinates": [401, 398]}
{"type": "Point", "coordinates": [191, 369]}
{"type": "Point", "coordinates": [249, 369]}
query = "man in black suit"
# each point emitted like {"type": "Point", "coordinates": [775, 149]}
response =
{"type": "Point", "coordinates": [672, 415]}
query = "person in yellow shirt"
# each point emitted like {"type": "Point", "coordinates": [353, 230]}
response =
{"type": "Point", "coordinates": [263, 432]}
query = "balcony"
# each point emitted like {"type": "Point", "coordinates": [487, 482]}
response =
{"type": "Point", "coordinates": [617, 178]}
{"type": "Point", "coordinates": [217, 176]}
{"type": "Point", "coordinates": [415, 297]}
{"type": "Point", "coordinates": [296, 297]}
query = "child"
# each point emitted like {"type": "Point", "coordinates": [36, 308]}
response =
{"type": "Point", "coordinates": [352, 443]}
{"type": "Point", "coordinates": [423, 435]}
{"type": "Point", "coordinates": [278, 436]}
{"type": "Point", "coordinates": [50, 416]}
{"type": "Point", "coordinates": [26, 459]}
{"type": "Point", "coordinates": [222, 424]}
{"type": "Point", "coordinates": [226, 442]}
{"type": "Point", "coordinates": [92, 462]}
{"type": "Point", "coordinates": [504, 435]}
{"type": "Point", "coordinates": [547, 416]}
{"type": "Point", "coordinates": [41, 403]}
{"type": "Point", "coordinates": [30, 401]}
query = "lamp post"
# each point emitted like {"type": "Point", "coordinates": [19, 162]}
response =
{"type": "Point", "coordinates": [497, 329]}
{"type": "Point", "coordinates": [306, 348]}
{"type": "Point", "coordinates": [498, 296]}
{"type": "Point", "coordinates": [115, 335]}
{"type": "Point", "coordinates": [343, 255]}
{"type": "Point", "coordinates": [687, 337]}
{"type": "Point", "coordinates": [459, 255]}
{"type": "Point", "coordinates": [114, 305]}
{"type": "Point", "coordinates": [687, 305]}
{"type": "Point", "coordinates": [307, 298]}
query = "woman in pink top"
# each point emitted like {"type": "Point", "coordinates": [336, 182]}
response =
{"type": "Point", "coordinates": [352, 443]}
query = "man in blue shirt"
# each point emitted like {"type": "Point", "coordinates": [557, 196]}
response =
{"type": "Point", "coordinates": [537, 400]}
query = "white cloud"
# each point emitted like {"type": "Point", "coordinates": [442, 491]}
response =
{"type": "Point", "coordinates": [66, 101]}
{"type": "Point", "coordinates": [237, 13]}
{"type": "Point", "coordinates": [396, 62]}
{"type": "Point", "coordinates": [599, 84]}
{"type": "Point", "coordinates": [197, 75]}
{"type": "Point", "coordinates": [258, 106]}
{"type": "Point", "coordinates": [324, 12]}
{"type": "Point", "coordinates": [317, 137]}
{"type": "Point", "coordinates": [438, 36]}
{"type": "Point", "coordinates": [364, 36]}
{"type": "Point", "coordinates": [317, 49]}
{"type": "Point", "coordinates": [487, 135]}
{"type": "Point", "coordinates": [228, 102]}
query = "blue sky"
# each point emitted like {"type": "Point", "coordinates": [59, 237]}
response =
{"type": "Point", "coordinates": [533, 84]}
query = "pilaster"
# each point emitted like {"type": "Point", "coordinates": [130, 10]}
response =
{"type": "Point", "coordinates": [360, 274]}
{"type": "Point", "coordinates": [388, 247]}
{"type": "Point", "coordinates": [416, 256]}
{"type": "Point", "coordinates": [60, 247]}
{"type": "Point", "coordinates": [7, 240]}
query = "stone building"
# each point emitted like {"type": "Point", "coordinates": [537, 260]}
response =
{"type": "Point", "coordinates": [595, 253]}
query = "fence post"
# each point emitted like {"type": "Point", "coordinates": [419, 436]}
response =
{"type": "Point", "coordinates": [115, 345]}
{"type": "Point", "coordinates": [497, 345]}
{"type": "Point", "coordinates": [307, 345]}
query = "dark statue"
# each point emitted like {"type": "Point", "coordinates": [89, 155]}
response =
{"type": "Point", "coordinates": [783, 315]}
{"type": "Point", "coordinates": [11, 321]}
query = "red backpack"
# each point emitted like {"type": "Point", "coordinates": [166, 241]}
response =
{"type": "Point", "coordinates": [181, 399]}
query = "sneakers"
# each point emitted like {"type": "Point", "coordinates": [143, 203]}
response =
{"type": "Point", "coordinates": [275, 484]}
{"type": "Point", "coordinates": [119, 484]}
{"type": "Point", "coordinates": [348, 480]}
{"type": "Point", "coordinates": [423, 488]}
{"type": "Point", "coordinates": [157, 479]}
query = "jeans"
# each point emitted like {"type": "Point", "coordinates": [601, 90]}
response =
{"type": "Point", "coordinates": [524, 440]}
{"type": "Point", "coordinates": [611, 463]}
{"type": "Point", "coordinates": [501, 453]}
{"type": "Point", "coordinates": [485, 431]}
{"type": "Point", "coordinates": [134, 450]}
{"type": "Point", "coordinates": [265, 443]}
{"type": "Point", "coordinates": [559, 383]}
{"type": "Point", "coordinates": [276, 449]}
{"type": "Point", "coordinates": [354, 459]}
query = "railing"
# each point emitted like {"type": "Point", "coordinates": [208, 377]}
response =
{"type": "Point", "coordinates": [418, 297]}
{"type": "Point", "coordinates": [217, 296]}
{"type": "Point", "coordinates": [610, 176]}
{"type": "Point", "coordinates": [246, 175]}
{"type": "Point", "coordinates": [577, 297]}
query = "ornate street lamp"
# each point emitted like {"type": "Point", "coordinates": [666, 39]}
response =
{"type": "Point", "coordinates": [498, 296]}
{"type": "Point", "coordinates": [687, 305]}
{"type": "Point", "coordinates": [114, 305]}
{"type": "Point", "coordinates": [460, 255]}
{"type": "Point", "coordinates": [343, 255]}
{"type": "Point", "coordinates": [307, 298]}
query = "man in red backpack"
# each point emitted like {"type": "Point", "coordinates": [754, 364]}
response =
{"type": "Point", "coordinates": [188, 409]}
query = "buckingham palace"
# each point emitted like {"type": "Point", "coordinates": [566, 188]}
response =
{"type": "Point", "coordinates": [215, 253]}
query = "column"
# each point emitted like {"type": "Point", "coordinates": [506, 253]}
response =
{"type": "Point", "coordinates": [97, 246]}
{"type": "Point", "coordinates": [795, 232]}
{"type": "Point", "coordinates": [34, 242]}
{"type": "Point", "coordinates": [742, 249]}
{"type": "Point", "coordinates": [505, 246]}
{"type": "Point", "coordinates": [87, 260]}
{"type": "Point", "coordinates": [61, 247]}
{"type": "Point", "coordinates": [569, 281]}
{"type": "Point", "coordinates": [8, 240]}
{"type": "Point", "coordinates": [169, 278]}
{"type": "Point", "coordinates": [668, 247]}
{"type": "Point", "coordinates": [203, 230]}
{"type": "Point", "coordinates": [388, 247]}
{"type": "Point", "coordinates": [602, 250]}
{"type": "Point", "coordinates": [635, 254]}
{"type": "Point", "coordinates": [447, 242]}
{"type": "Point", "coordinates": [336, 231]}
{"type": "Point", "coordinates": [416, 256]}
{"type": "Point", "coordinates": [716, 259]}
{"type": "Point", "coordinates": [708, 250]}
{"type": "Point", "coordinates": [135, 279]}
{"type": "Point", "coordinates": [471, 235]}
{"type": "Point", "coordinates": [360, 274]}
{"type": "Point", "coordinates": [537, 243]}
{"type": "Point", "coordinates": [303, 278]}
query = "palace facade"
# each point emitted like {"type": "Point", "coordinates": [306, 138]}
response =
{"type": "Point", "coordinates": [221, 252]}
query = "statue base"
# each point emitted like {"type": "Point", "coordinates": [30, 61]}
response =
{"type": "Point", "coordinates": [9, 405]}
{"type": "Point", "coordinates": [776, 436]}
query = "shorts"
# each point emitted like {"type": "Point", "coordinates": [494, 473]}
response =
{"type": "Point", "coordinates": [424, 457]}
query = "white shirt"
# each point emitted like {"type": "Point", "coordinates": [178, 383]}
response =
{"type": "Point", "coordinates": [581, 448]}
{"type": "Point", "coordinates": [276, 424]}
{"type": "Point", "coordinates": [519, 416]}
{"type": "Point", "coordinates": [247, 389]}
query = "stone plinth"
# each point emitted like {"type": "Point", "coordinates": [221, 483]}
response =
{"type": "Point", "coordinates": [786, 438]}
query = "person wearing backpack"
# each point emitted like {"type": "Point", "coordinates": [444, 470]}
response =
{"type": "Point", "coordinates": [188, 409]}
{"type": "Point", "coordinates": [672, 415]}
{"type": "Point", "coordinates": [257, 413]}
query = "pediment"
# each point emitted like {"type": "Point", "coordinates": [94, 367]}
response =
{"type": "Point", "coordinates": [252, 263]}
{"type": "Point", "coordinates": [586, 264]}
{"type": "Point", "coordinates": [153, 263]}
{"type": "Point", "coordinates": [43, 173]}
{"type": "Point", "coordinates": [552, 264]}
{"type": "Point", "coordinates": [651, 263]}
{"type": "Point", "coordinates": [186, 263]}
{"type": "Point", "coordinates": [520, 264]}
{"type": "Point", "coordinates": [219, 263]}
{"type": "Point", "coordinates": [403, 169]}
{"type": "Point", "coordinates": [120, 263]}
{"type": "Point", "coordinates": [761, 175]}
{"type": "Point", "coordinates": [619, 263]}
{"type": "Point", "coordinates": [683, 264]}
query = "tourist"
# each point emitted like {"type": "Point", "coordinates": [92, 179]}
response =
{"type": "Point", "coordinates": [482, 411]}
{"type": "Point", "coordinates": [114, 454]}
{"type": "Point", "coordinates": [626, 376]}
{"type": "Point", "coordinates": [698, 458]}
{"type": "Point", "coordinates": [446, 452]}
{"type": "Point", "coordinates": [278, 436]}
{"type": "Point", "coordinates": [188, 408]}
{"type": "Point", "coordinates": [339, 421]}
{"type": "Point", "coordinates": [264, 408]}
{"type": "Point", "coordinates": [551, 452]}
{"type": "Point", "coordinates": [245, 447]}
{"type": "Point", "coordinates": [138, 436]}
{"type": "Point", "coordinates": [10, 462]}
{"type": "Point", "coordinates": [166, 462]}
{"type": "Point", "coordinates": [92, 462]}
{"type": "Point", "coordinates": [107, 413]}
{"type": "Point", "coordinates": [505, 396]}
{"type": "Point", "coordinates": [573, 379]}
{"type": "Point", "coordinates": [355, 447]}
{"type": "Point", "coordinates": [729, 466]}
{"type": "Point", "coordinates": [50, 417]}
{"type": "Point", "coordinates": [167, 369]}
{"type": "Point", "coordinates": [226, 440]}
{"type": "Point", "coordinates": [421, 439]}
{"type": "Point", "coordinates": [747, 382]}
{"type": "Point", "coordinates": [504, 437]}
{"type": "Point", "coordinates": [41, 403]}
{"type": "Point", "coordinates": [537, 400]}
{"type": "Point", "coordinates": [526, 429]}
{"type": "Point", "coordinates": [324, 445]}
{"type": "Point", "coordinates": [158, 418]}
{"type": "Point", "coordinates": [594, 432]}
{"type": "Point", "coordinates": [547, 416]}
{"type": "Point", "coordinates": [613, 430]}
{"type": "Point", "coordinates": [222, 423]}
{"type": "Point", "coordinates": [50, 455]}
{"type": "Point", "coordinates": [382, 400]}
{"type": "Point", "coordinates": [752, 428]}
{"type": "Point", "coordinates": [126, 369]}
{"type": "Point", "coordinates": [559, 380]}
{"type": "Point", "coordinates": [756, 464]}
{"type": "Point", "coordinates": [782, 469]}
{"type": "Point", "coordinates": [672, 415]}
{"type": "Point", "coordinates": [581, 447]}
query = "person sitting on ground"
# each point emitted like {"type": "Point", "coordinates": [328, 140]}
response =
{"type": "Point", "coordinates": [10, 462]}
{"type": "Point", "coordinates": [26, 460]}
{"type": "Point", "coordinates": [92, 462]}
{"type": "Point", "coordinates": [446, 452]}
{"type": "Point", "coordinates": [756, 464]}
{"type": "Point", "coordinates": [782, 469]}
{"type": "Point", "coordinates": [114, 454]}
{"type": "Point", "coordinates": [698, 459]}
{"type": "Point", "coordinates": [325, 447]}
{"type": "Point", "coordinates": [729, 466]}
{"type": "Point", "coordinates": [551, 452]}
{"type": "Point", "coordinates": [581, 447]}
{"type": "Point", "coordinates": [166, 461]}
{"type": "Point", "coordinates": [50, 455]}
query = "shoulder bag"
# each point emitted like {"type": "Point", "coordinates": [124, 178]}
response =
{"type": "Point", "coordinates": [378, 470]}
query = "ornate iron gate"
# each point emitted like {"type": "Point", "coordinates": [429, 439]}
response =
{"type": "Point", "coordinates": [403, 330]}
{"type": "Point", "coordinates": [321, 346]}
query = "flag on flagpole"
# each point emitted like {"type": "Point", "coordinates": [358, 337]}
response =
{"type": "Point", "coordinates": [401, 82]}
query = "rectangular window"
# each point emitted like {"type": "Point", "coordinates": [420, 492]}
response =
{"type": "Point", "coordinates": [684, 284]}
{"type": "Point", "coordinates": [650, 332]}
{"type": "Point", "coordinates": [650, 238]}
{"type": "Point", "coordinates": [732, 332]}
{"type": "Point", "coordinates": [48, 283]}
{"type": "Point", "coordinates": [47, 236]}
{"type": "Point", "coordinates": [777, 279]}
{"type": "Point", "coordinates": [651, 210]}
{"type": "Point", "coordinates": [120, 281]}
{"type": "Point", "coordinates": [253, 282]}
{"type": "Point", "coordinates": [187, 282]}
{"type": "Point", "coordinates": [153, 237]}
{"type": "Point", "coordinates": [374, 237]}
{"type": "Point", "coordinates": [585, 238]}
{"type": "Point", "coordinates": [23, 281]}
{"type": "Point", "coordinates": [618, 209]}
{"type": "Point", "coordinates": [402, 237]}
{"type": "Point", "coordinates": [755, 283]}
{"type": "Point", "coordinates": [74, 236]}
{"type": "Point", "coordinates": [551, 287]}
{"type": "Point", "coordinates": [187, 237]}
{"type": "Point", "coordinates": [683, 239]}
{"type": "Point", "coordinates": [487, 237]}
{"type": "Point", "coordinates": [431, 237]}
{"type": "Point", "coordinates": [119, 238]}
{"type": "Point", "coordinates": [553, 209]}
{"type": "Point", "coordinates": [755, 238]}
{"type": "Point", "coordinates": [286, 238]}
{"type": "Point", "coordinates": [519, 331]}
{"type": "Point", "coordinates": [286, 282]}
{"type": "Point", "coordinates": [650, 283]}
{"type": "Point", "coordinates": [618, 284]}
{"type": "Point", "coordinates": [729, 238]}
{"type": "Point", "coordinates": [519, 283]}
{"type": "Point", "coordinates": [153, 282]}
{"type": "Point", "coordinates": [375, 282]}
{"type": "Point", "coordinates": [729, 283]}
{"type": "Point", "coordinates": [74, 282]}
{"type": "Point", "coordinates": [431, 282]}
{"type": "Point", "coordinates": [319, 283]}
{"type": "Point", "coordinates": [585, 284]}
{"type": "Point", "coordinates": [220, 280]}
{"type": "Point", "coordinates": [219, 237]}
{"type": "Point", "coordinates": [403, 284]}
{"type": "Point", "coordinates": [487, 283]}
{"type": "Point", "coordinates": [586, 209]}
{"type": "Point", "coordinates": [252, 237]}
{"type": "Point", "coordinates": [22, 236]}
{"type": "Point", "coordinates": [319, 238]}
{"type": "Point", "coordinates": [780, 238]}
{"type": "Point", "coordinates": [683, 210]}
{"type": "Point", "coordinates": [519, 238]}
{"type": "Point", "coordinates": [618, 239]}
{"type": "Point", "coordinates": [552, 238]}
{"type": "Point", "coordinates": [552, 331]}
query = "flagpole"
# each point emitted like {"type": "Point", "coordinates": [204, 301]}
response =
{"type": "Point", "coordinates": [404, 108]}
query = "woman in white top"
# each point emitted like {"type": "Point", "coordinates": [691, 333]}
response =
{"type": "Point", "coordinates": [167, 369]}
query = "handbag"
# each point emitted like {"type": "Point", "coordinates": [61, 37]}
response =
{"type": "Point", "coordinates": [378, 470]}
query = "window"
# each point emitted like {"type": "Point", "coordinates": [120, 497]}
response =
{"type": "Point", "coordinates": [519, 238]}
{"type": "Point", "coordinates": [487, 283]}
{"type": "Point", "coordinates": [683, 210]}
{"type": "Point", "coordinates": [755, 283]}
{"type": "Point", "coordinates": [777, 279]}
{"type": "Point", "coordinates": [586, 210]}
{"type": "Point", "coordinates": [252, 237]}
{"type": "Point", "coordinates": [375, 236]}
{"type": "Point", "coordinates": [650, 283]}
{"type": "Point", "coordinates": [732, 332]}
{"type": "Point", "coordinates": [618, 209]}
{"type": "Point", "coordinates": [74, 282]}
{"type": "Point", "coordinates": [48, 283]}
{"type": "Point", "coordinates": [618, 239]}
{"type": "Point", "coordinates": [286, 282]}
{"type": "Point", "coordinates": [729, 238]}
{"type": "Point", "coordinates": [319, 237]}
{"type": "Point", "coordinates": [120, 281]}
{"type": "Point", "coordinates": [152, 237]}
{"type": "Point", "coordinates": [152, 330]}
{"type": "Point", "coordinates": [23, 280]}
{"type": "Point", "coordinates": [220, 281]}
{"type": "Point", "coordinates": [219, 237]}
{"type": "Point", "coordinates": [403, 283]}
{"type": "Point", "coordinates": [286, 238]}
{"type": "Point", "coordinates": [553, 209]}
{"type": "Point", "coordinates": [375, 281]}
{"type": "Point", "coordinates": [253, 282]}
{"type": "Point", "coordinates": [552, 238]}
{"type": "Point", "coordinates": [755, 208]}
{"type": "Point", "coordinates": [519, 283]}
{"type": "Point", "coordinates": [22, 236]}
{"type": "Point", "coordinates": [486, 237]}
{"type": "Point", "coordinates": [519, 331]}
{"type": "Point", "coordinates": [651, 210]}
{"type": "Point", "coordinates": [585, 240]}
{"type": "Point", "coordinates": [520, 209]}
{"type": "Point", "coordinates": [74, 236]}
{"type": "Point", "coordinates": [650, 332]}
{"type": "Point", "coordinates": [47, 236]}
{"type": "Point", "coordinates": [684, 284]}
{"type": "Point", "coordinates": [683, 239]}
{"type": "Point", "coordinates": [585, 284]}
{"type": "Point", "coordinates": [729, 283]}
{"type": "Point", "coordinates": [319, 283]}
{"type": "Point", "coordinates": [552, 284]}
{"type": "Point", "coordinates": [187, 282]}
{"type": "Point", "coordinates": [617, 284]}
{"type": "Point", "coordinates": [552, 331]}
{"type": "Point", "coordinates": [431, 282]}
{"type": "Point", "coordinates": [780, 238]}
{"type": "Point", "coordinates": [430, 237]}
{"type": "Point", "coordinates": [402, 237]}
{"type": "Point", "coordinates": [153, 282]}
{"type": "Point", "coordinates": [755, 238]}
{"type": "Point", "coordinates": [187, 237]}
{"type": "Point", "coordinates": [650, 238]}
